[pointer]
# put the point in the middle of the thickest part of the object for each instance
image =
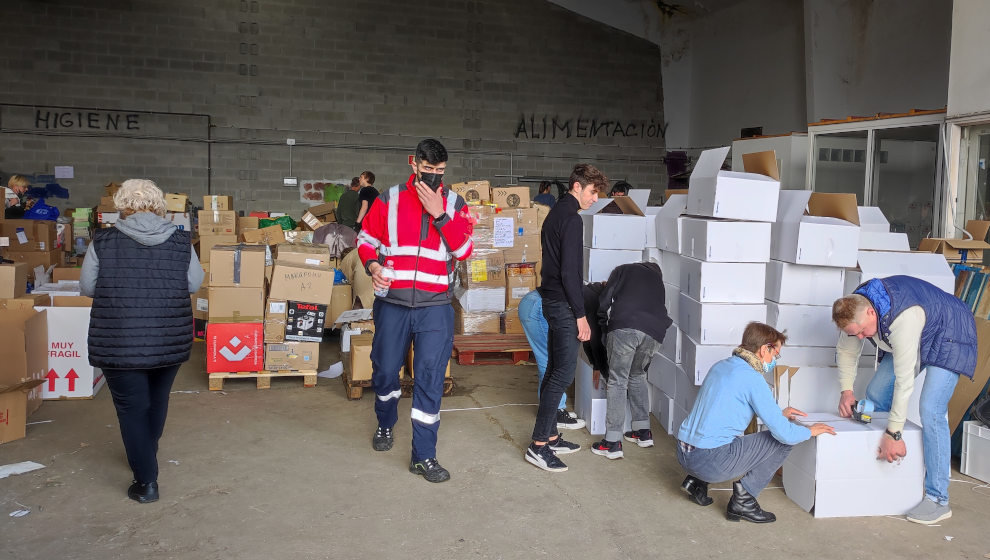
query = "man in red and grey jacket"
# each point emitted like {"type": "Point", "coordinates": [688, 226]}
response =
{"type": "Point", "coordinates": [409, 242]}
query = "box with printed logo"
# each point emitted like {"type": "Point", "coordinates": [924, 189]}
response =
{"type": "Point", "coordinates": [294, 356]}
{"type": "Point", "coordinates": [304, 321]}
{"type": "Point", "coordinates": [511, 197]}
{"type": "Point", "coordinates": [234, 347]}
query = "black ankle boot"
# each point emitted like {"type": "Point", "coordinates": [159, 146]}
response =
{"type": "Point", "coordinates": [698, 490]}
{"type": "Point", "coordinates": [143, 493]}
{"type": "Point", "coordinates": [742, 505]}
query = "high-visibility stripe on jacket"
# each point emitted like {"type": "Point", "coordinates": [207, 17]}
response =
{"type": "Point", "coordinates": [422, 250]}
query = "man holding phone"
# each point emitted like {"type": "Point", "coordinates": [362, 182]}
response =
{"type": "Point", "coordinates": [409, 241]}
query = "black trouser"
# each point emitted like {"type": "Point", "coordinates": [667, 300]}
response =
{"type": "Point", "coordinates": [562, 350]}
{"type": "Point", "coordinates": [141, 399]}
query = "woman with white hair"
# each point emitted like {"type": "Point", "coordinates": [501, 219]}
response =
{"type": "Point", "coordinates": [140, 274]}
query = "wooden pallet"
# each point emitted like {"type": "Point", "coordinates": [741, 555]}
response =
{"type": "Point", "coordinates": [406, 384]}
{"type": "Point", "coordinates": [264, 378]}
{"type": "Point", "coordinates": [354, 389]}
{"type": "Point", "coordinates": [491, 349]}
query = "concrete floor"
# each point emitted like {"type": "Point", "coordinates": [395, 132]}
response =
{"type": "Point", "coordinates": [290, 473]}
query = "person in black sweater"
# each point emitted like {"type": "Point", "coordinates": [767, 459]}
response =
{"type": "Point", "coordinates": [563, 308]}
{"type": "Point", "coordinates": [594, 347]}
{"type": "Point", "coordinates": [634, 319]}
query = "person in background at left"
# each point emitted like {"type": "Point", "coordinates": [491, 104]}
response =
{"type": "Point", "coordinates": [140, 274]}
{"type": "Point", "coordinates": [366, 196]}
{"type": "Point", "coordinates": [621, 188]}
{"type": "Point", "coordinates": [348, 203]}
{"type": "Point", "coordinates": [545, 197]}
{"type": "Point", "coordinates": [15, 199]}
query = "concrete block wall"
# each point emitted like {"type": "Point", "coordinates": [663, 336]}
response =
{"type": "Point", "coordinates": [213, 89]}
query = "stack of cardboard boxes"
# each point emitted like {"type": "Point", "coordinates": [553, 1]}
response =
{"type": "Point", "coordinates": [32, 242]}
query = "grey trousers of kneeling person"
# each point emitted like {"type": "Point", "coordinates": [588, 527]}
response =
{"type": "Point", "coordinates": [629, 354]}
{"type": "Point", "coordinates": [754, 457]}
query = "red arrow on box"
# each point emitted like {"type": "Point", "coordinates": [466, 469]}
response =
{"type": "Point", "coordinates": [51, 377]}
{"type": "Point", "coordinates": [72, 376]}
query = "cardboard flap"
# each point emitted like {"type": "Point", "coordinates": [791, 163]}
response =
{"type": "Point", "coordinates": [671, 193]}
{"type": "Point", "coordinates": [763, 163]}
{"type": "Point", "coordinates": [72, 301]}
{"type": "Point", "coordinates": [597, 206]}
{"type": "Point", "coordinates": [834, 205]}
{"type": "Point", "coordinates": [929, 245]}
{"type": "Point", "coordinates": [962, 244]}
{"type": "Point", "coordinates": [978, 229]}
{"type": "Point", "coordinates": [640, 196]}
{"type": "Point", "coordinates": [622, 205]}
{"type": "Point", "coordinates": [674, 206]}
{"type": "Point", "coordinates": [25, 386]}
{"type": "Point", "coordinates": [791, 205]}
{"type": "Point", "coordinates": [710, 163]}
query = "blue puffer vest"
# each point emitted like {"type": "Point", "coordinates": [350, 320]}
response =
{"type": "Point", "coordinates": [142, 314]}
{"type": "Point", "coordinates": [948, 340]}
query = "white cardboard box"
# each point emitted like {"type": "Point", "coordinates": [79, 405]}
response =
{"type": "Point", "coordinates": [816, 356]}
{"type": "Point", "coordinates": [651, 213]}
{"type": "Point", "coordinates": [69, 372]}
{"type": "Point", "coordinates": [698, 359]}
{"type": "Point", "coordinates": [840, 475]}
{"type": "Point", "coordinates": [670, 348]}
{"type": "Point", "coordinates": [662, 405]}
{"type": "Point", "coordinates": [809, 285]}
{"type": "Point", "coordinates": [652, 254]}
{"type": "Point", "coordinates": [662, 374]}
{"type": "Point", "coordinates": [876, 241]}
{"type": "Point", "coordinates": [669, 223]}
{"type": "Point", "coordinates": [725, 241]}
{"type": "Point", "coordinates": [730, 194]}
{"type": "Point", "coordinates": [929, 267]}
{"type": "Point", "coordinates": [975, 458]}
{"type": "Point", "coordinates": [829, 236]}
{"type": "Point", "coordinates": [614, 223]}
{"type": "Point", "coordinates": [806, 325]}
{"type": "Point", "coordinates": [481, 299]}
{"type": "Point", "coordinates": [599, 263]}
{"type": "Point", "coordinates": [717, 323]}
{"type": "Point", "coordinates": [590, 404]}
{"type": "Point", "coordinates": [671, 300]}
{"type": "Point", "coordinates": [670, 266]}
{"type": "Point", "coordinates": [871, 219]}
{"type": "Point", "coordinates": [723, 282]}
{"type": "Point", "coordinates": [816, 389]}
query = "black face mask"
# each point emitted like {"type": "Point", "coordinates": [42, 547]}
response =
{"type": "Point", "coordinates": [431, 180]}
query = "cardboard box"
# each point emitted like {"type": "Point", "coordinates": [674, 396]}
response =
{"type": "Point", "coordinates": [840, 476]}
{"type": "Point", "coordinates": [217, 222]}
{"type": "Point", "coordinates": [806, 325]}
{"type": "Point", "coordinates": [725, 241]}
{"type": "Point", "coordinates": [465, 322]}
{"type": "Point", "coordinates": [237, 266]}
{"type": "Point", "coordinates": [24, 347]}
{"type": "Point", "coordinates": [731, 194]}
{"type": "Point", "coordinates": [106, 204]}
{"type": "Point", "coordinates": [300, 282]}
{"type": "Point", "coordinates": [111, 188]}
{"type": "Point", "coordinates": [35, 259]}
{"type": "Point", "coordinates": [13, 410]}
{"type": "Point", "coordinates": [931, 268]}
{"type": "Point", "coordinates": [234, 347]}
{"type": "Point", "coordinates": [292, 356]}
{"type": "Point", "coordinates": [304, 322]}
{"type": "Point", "coordinates": [481, 299]}
{"type": "Point", "coordinates": [484, 268]}
{"type": "Point", "coordinates": [69, 375]}
{"type": "Point", "coordinates": [323, 211]}
{"type": "Point", "coordinates": [873, 241]}
{"type": "Point", "coordinates": [827, 235]}
{"type": "Point", "coordinates": [723, 282]}
{"type": "Point", "coordinates": [107, 218]}
{"type": "Point", "coordinates": [514, 223]}
{"type": "Point", "coordinates": [27, 301]}
{"type": "Point", "coordinates": [360, 357]}
{"type": "Point", "coordinates": [314, 223]}
{"type": "Point", "coordinates": [341, 299]}
{"type": "Point", "coordinates": [671, 300]}
{"type": "Point", "coordinates": [409, 368]}
{"type": "Point", "coordinates": [651, 213]}
{"type": "Point", "coordinates": [670, 267]}
{"type": "Point", "coordinates": [511, 197]}
{"type": "Point", "coordinates": [807, 285]}
{"type": "Point", "coordinates": [872, 220]}
{"type": "Point", "coordinates": [668, 223]}
{"type": "Point", "coordinates": [13, 280]}
{"type": "Point", "coordinates": [201, 303]}
{"type": "Point", "coordinates": [670, 346]}
{"type": "Point", "coordinates": [246, 223]}
{"type": "Point", "coordinates": [207, 242]}
{"type": "Point", "coordinates": [303, 253]}
{"type": "Point", "coordinates": [599, 263]}
{"type": "Point", "coordinates": [961, 250]}
{"type": "Point", "coordinates": [511, 323]}
{"type": "Point", "coordinates": [181, 220]}
{"type": "Point", "coordinates": [66, 273]}
{"type": "Point", "coordinates": [516, 288]}
{"type": "Point", "coordinates": [589, 401]}
{"type": "Point", "coordinates": [816, 389]}
{"type": "Point", "coordinates": [29, 235]}
{"type": "Point", "coordinates": [699, 358]}
{"type": "Point", "coordinates": [661, 406]}
{"type": "Point", "coordinates": [614, 223]}
{"type": "Point", "coordinates": [660, 374]}
{"type": "Point", "coordinates": [717, 323]}
{"type": "Point", "coordinates": [275, 310]}
{"type": "Point", "coordinates": [271, 235]}
{"type": "Point", "coordinates": [176, 202]}
{"type": "Point", "coordinates": [236, 305]}
{"type": "Point", "coordinates": [975, 458]}
{"type": "Point", "coordinates": [473, 192]}
{"type": "Point", "coordinates": [214, 202]}
{"type": "Point", "coordinates": [484, 216]}
{"type": "Point", "coordinates": [524, 250]}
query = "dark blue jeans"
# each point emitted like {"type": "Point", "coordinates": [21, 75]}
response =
{"type": "Point", "coordinates": [141, 399]}
{"type": "Point", "coordinates": [562, 351]}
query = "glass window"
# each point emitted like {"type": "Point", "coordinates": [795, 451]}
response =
{"type": "Point", "coordinates": [840, 165]}
{"type": "Point", "coordinates": [905, 179]}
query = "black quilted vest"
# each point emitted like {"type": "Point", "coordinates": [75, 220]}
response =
{"type": "Point", "coordinates": [142, 314]}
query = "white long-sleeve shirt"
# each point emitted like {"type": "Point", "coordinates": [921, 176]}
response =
{"type": "Point", "coordinates": [905, 345]}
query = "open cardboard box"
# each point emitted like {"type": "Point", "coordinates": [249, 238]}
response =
{"type": "Point", "coordinates": [750, 195]}
{"type": "Point", "coordinates": [617, 223]}
{"type": "Point", "coordinates": [931, 268]}
{"type": "Point", "coordinates": [668, 223]}
{"type": "Point", "coordinates": [875, 234]}
{"type": "Point", "coordinates": [816, 228]}
{"type": "Point", "coordinates": [69, 374]}
{"type": "Point", "coordinates": [960, 250]}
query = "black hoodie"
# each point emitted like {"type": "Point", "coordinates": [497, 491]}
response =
{"type": "Point", "coordinates": [634, 299]}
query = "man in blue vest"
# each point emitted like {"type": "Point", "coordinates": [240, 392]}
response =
{"type": "Point", "coordinates": [907, 318]}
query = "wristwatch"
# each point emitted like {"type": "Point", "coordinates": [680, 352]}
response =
{"type": "Point", "coordinates": [895, 435]}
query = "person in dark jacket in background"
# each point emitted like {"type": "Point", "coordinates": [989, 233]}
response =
{"type": "Point", "coordinates": [594, 347]}
{"type": "Point", "coordinates": [634, 319]}
{"type": "Point", "coordinates": [140, 274]}
{"type": "Point", "coordinates": [545, 197]}
{"type": "Point", "coordinates": [563, 307]}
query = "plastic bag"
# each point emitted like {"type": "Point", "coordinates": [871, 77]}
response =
{"type": "Point", "coordinates": [41, 211]}
{"type": "Point", "coordinates": [285, 222]}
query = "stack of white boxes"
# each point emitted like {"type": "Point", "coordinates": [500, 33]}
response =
{"type": "Point", "coordinates": [615, 233]}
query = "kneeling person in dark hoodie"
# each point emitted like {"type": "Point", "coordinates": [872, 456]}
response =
{"type": "Point", "coordinates": [140, 274]}
{"type": "Point", "coordinates": [633, 318]}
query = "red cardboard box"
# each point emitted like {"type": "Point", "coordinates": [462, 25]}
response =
{"type": "Point", "coordinates": [232, 347]}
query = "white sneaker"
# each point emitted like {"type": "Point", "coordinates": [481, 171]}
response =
{"type": "Point", "coordinates": [567, 422]}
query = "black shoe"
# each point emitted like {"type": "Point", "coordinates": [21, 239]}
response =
{"type": "Point", "coordinates": [698, 490]}
{"type": "Point", "coordinates": [567, 422]}
{"type": "Point", "coordinates": [742, 505]}
{"type": "Point", "coordinates": [382, 440]}
{"type": "Point", "coordinates": [430, 469]}
{"type": "Point", "coordinates": [642, 438]}
{"type": "Point", "coordinates": [543, 457]}
{"type": "Point", "coordinates": [143, 493]}
{"type": "Point", "coordinates": [608, 449]}
{"type": "Point", "coordinates": [561, 447]}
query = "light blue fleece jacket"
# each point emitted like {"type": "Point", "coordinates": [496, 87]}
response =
{"type": "Point", "coordinates": [732, 392]}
